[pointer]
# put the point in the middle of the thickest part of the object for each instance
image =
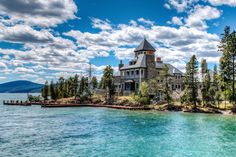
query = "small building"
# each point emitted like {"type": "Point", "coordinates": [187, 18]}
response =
{"type": "Point", "coordinates": [144, 67]}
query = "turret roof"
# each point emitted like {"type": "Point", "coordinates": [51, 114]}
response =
{"type": "Point", "coordinates": [144, 46]}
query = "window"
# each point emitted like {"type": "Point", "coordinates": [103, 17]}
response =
{"type": "Point", "coordinates": [132, 72]}
{"type": "Point", "coordinates": [142, 72]}
{"type": "Point", "coordinates": [127, 73]}
{"type": "Point", "coordinates": [137, 72]}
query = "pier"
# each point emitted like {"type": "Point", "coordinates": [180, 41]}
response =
{"type": "Point", "coordinates": [17, 103]}
{"type": "Point", "coordinates": [62, 105]}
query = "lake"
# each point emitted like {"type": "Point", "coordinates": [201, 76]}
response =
{"type": "Point", "coordinates": [99, 132]}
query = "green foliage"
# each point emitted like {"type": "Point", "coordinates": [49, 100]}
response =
{"type": "Point", "coordinates": [207, 90]}
{"type": "Point", "coordinates": [45, 91]}
{"type": "Point", "coordinates": [52, 91]}
{"type": "Point", "coordinates": [108, 82]}
{"type": "Point", "coordinates": [191, 82]}
{"type": "Point", "coordinates": [94, 82]}
{"type": "Point", "coordinates": [33, 98]}
{"type": "Point", "coordinates": [143, 98]}
{"type": "Point", "coordinates": [144, 89]}
{"type": "Point", "coordinates": [227, 65]}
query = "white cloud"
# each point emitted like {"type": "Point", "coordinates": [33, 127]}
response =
{"type": "Point", "coordinates": [180, 5]}
{"type": "Point", "coordinates": [24, 34]}
{"type": "Point", "coordinates": [175, 45]}
{"type": "Point", "coordinates": [223, 2]}
{"type": "Point", "coordinates": [176, 21]}
{"type": "Point", "coordinates": [38, 12]}
{"type": "Point", "coordinates": [200, 14]}
{"type": "Point", "coordinates": [3, 65]}
{"type": "Point", "coordinates": [100, 24]}
{"type": "Point", "coordinates": [146, 21]}
{"type": "Point", "coordinates": [22, 70]}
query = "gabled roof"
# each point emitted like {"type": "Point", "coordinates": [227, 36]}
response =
{"type": "Point", "coordinates": [172, 69]}
{"type": "Point", "coordinates": [140, 63]}
{"type": "Point", "coordinates": [144, 46]}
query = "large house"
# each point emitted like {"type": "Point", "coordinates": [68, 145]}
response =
{"type": "Point", "coordinates": [144, 67]}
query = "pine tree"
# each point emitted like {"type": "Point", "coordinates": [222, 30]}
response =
{"type": "Point", "coordinates": [75, 85]}
{"type": "Point", "coordinates": [52, 91]}
{"type": "Point", "coordinates": [191, 83]}
{"type": "Point", "coordinates": [108, 82]}
{"type": "Point", "coordinates": [216, 86]}
{"type": "Point", "coordinates": [167, 80]}
{"type": "Point", "coordinates": [94, 82]}
{"type": "Point", "coordinates": [227, 62]}
{"type": "Point", "coordinates": [45, 91]}
{"type": "Point", "coordinates": [81, 86]}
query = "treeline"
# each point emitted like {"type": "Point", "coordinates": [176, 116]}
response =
{"type": "Point", "coordinates": [71, 87]}
{"type": "Point", "coordinates": [216, 85]}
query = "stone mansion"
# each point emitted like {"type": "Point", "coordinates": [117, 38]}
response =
{"type": "Point", "coordinates": [144, 67]}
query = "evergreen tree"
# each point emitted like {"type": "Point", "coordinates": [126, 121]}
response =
{"type": "Point", "coordinates": [52, 91]}
{"type": "Point", "coordinates": [61, 88]}
{"type": "Point", "coordinates": [191, 83]}
{"type": "Point", "coordinates": [227, 62]}
{"type": "Point", "coordinates": [108, 81]}
{"type": "Point", "coordinates": [94, 82]}
{"type": "Point", "coordinates": [216, 86]}
{"type": "Point", "coordinates": [75, 85]}
{"type": "Point", "coordinates": [82, 86]}
{"type": "Point", "coordinates": [167, 81]}
{"type": "Point", "coordinates": [45, 91]}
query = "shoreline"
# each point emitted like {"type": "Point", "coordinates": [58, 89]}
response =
{"type": "Point", "coordinates": [162, 108]}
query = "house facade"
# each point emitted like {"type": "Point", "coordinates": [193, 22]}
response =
{"type": "Point", "coordinates": [144, 67]}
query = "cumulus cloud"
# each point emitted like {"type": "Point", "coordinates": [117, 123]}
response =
{"type": "Point", "coordinates": [146, 21]}
{"type": "Point", "coordinates": [180, 5]}
{"type": "Point", "coordinates": [200, 14]}
{"type": "Point", "coordinates": [24, 34]}
{"type": "Point", "coordinates": [223, 2]}
{"type": "Point", "coordinates": [174, 44]}
{"type": "Point", "coordinates": [38, 12]}
{"type": "Point", "coordinates": [100, 24]}
{"type": "Point", "coordinates": [176, 21]}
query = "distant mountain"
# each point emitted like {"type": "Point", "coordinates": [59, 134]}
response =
{"type": "Point", "coordinates": [20, 87]}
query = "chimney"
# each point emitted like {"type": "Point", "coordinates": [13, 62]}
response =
{"type": "Point", "coordinates": [121, 64]}
{"type": "Point", "coordinates": [158, 60]}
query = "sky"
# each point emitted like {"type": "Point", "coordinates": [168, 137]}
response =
{"type": "Point", "coordinates": [44, 40]}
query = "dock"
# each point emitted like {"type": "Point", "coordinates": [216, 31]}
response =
{"type": "Point", "coordinates": [16, 103]}
{"type": "Point", "coordinates": [63, 105]}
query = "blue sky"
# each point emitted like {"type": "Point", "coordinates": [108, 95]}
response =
{"type": "Point", "coordinates": [43, 40]}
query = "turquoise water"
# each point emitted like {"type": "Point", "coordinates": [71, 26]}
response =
{"type": "Point", "coordinates": [100, 132]}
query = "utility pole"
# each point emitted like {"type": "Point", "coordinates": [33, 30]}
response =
{"type": "Point", "coordinates": [90, 77]}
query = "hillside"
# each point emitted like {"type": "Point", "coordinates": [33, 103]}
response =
{"type": "Point", "coordinates": [20, 87]}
